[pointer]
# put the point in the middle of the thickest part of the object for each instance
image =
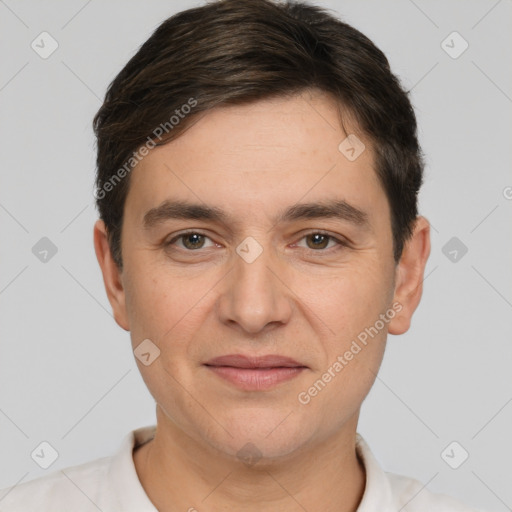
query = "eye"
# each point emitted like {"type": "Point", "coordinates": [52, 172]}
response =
{"type": "Point", "coordinates": [316, 241]}
{"type": "Point", "coordinates": [191, 240]}
{"type": "Point", "coordinates": [319, 241]}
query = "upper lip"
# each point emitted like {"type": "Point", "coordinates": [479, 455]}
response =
{"type": "Point", "coordinates": [242, 361]}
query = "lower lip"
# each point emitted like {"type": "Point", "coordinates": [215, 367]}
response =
{"type": "Point", "coordinates": [256, 379]}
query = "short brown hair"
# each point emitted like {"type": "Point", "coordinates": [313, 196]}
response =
{"type": "Point", "coordinates": [240, 51]}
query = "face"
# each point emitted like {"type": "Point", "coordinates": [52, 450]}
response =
{"type": "Point", "coordinates": [289, 255]}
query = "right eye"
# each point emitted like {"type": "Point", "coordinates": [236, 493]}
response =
{"type": "Point", "coordinates": [190, 241]}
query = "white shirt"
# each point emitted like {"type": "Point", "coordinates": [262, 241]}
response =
{"type": "Point", "coordinates": [111, 484]}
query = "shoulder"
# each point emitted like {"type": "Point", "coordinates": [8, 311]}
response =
{"type": "Point", "coordinates": [413, 494]}
{"type": "Point", "coordinates": [75, 487]}
{"type": "Point", "coordinates": [107, 484]}
{"type": "Point", "coordinates": [387, 491]}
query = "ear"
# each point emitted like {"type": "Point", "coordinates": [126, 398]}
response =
{"type": "Point", "coordinates": [409, 276]}
{"type": "Point", "coordinates": [112, 276]}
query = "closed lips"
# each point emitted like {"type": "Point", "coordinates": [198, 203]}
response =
{"type": "Point", "coordinates": [252, 362]}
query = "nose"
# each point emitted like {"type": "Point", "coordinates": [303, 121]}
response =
{"type": "Point", "coordinates": [253, 295]}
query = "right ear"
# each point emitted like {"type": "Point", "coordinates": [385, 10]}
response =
{"type": "Point", "coordinates": [112, 276]}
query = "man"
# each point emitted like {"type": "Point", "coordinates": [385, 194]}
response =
{"type": "Point", "coordinates": [258, 172]}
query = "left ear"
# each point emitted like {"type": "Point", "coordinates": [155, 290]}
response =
{"type": "Point", "coordinates": [409, 276]}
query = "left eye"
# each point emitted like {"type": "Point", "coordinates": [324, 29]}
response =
{"type": "Point", "coordinates": [316, 241]}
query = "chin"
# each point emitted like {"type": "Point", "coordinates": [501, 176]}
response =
{"type": "Point", "coordinates": [260, 436]}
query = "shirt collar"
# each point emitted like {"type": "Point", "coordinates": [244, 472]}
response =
{"type": "Point", "coordinates": [129, 495]}
{"type": "Point", "coordinates": [377, 494]}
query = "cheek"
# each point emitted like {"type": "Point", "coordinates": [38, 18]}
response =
{"type": "Point", "coordinates": [165, 309]}
{"type": "Point", "coordinates": [348, 301]}
{"type": "Point", "coordinates": [168, 308]}
{"type": "Point", "coordinates": [154, 303]}
{"type": "Point", "coordinates": [353, 347]}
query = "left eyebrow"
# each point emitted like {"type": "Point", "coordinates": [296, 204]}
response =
{"type": "Point", "coordinates": [337, 209]}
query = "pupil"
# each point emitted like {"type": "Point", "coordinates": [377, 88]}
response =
{"type": "Point", "coordinates": [319, 238]}
{"type": "Point", "coordinates": [193, 239]}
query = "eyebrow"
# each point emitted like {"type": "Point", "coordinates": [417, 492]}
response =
{"type": "Point", "coordinates": [336, 209]}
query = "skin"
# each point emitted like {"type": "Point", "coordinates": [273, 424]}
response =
{"type": "Point", "coordinates": [295, 299]}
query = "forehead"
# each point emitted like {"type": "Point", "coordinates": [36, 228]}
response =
{"type": "Point", "coordinates": [261, 157]}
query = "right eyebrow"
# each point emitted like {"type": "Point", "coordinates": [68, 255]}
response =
{"type": "Point", "coordinates": [182, 210]}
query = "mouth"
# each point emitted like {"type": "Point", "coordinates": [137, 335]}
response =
{"type": "Point", "coordinates": [255, 373]}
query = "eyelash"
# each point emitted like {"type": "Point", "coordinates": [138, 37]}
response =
{"type": "Point", "coordinates": [339, 243]}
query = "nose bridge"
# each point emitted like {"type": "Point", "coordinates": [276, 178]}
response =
{"type": "Point", "coordinates": [253, 296]}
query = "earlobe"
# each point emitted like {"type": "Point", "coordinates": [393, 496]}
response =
{"type": "Point", "coordinates": [409, 276]}
{"type": "Point", "coordinates": [112, 277]}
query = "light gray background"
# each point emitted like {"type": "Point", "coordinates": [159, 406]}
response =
{"type": "Point", "coordinates": [67, 374]}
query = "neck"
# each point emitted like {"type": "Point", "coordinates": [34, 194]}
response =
{"type": "Point", "coordinates": [179, 474]}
